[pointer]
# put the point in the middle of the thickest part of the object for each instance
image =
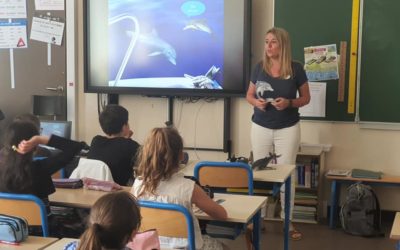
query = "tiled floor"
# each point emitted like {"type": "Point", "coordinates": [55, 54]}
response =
{"type": "Point", "coordinates": [317, 237]}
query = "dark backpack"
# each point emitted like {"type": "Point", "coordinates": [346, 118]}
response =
{"type": "Point", "coordinates": [361, 214]}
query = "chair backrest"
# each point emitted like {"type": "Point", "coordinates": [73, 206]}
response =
{"type": "Point", "coordinates": [224, 175]}
{"type": "Point", "coordinates": [26, 206]}
{"type": "Point", "coordinates": [93, 169]}
{"type": "Point", "coordinates": [170, 220]}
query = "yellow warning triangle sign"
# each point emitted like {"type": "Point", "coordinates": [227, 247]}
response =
{"type": "Point", "coordinates": [21, 43]}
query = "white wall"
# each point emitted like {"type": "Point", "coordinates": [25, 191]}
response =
{"type": "Point", "coordinates": [352, 147]}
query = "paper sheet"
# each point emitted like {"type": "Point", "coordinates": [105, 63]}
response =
{"type": "Point", "coordinates": [316, 107]}
{"type": "Point", "coordinates": [13, 34]}
{"type": "Point", "coordinates": [47, 31]}
{"type": "Point", "coordinates": [49, 4]}
{"type": "Point", "coordinates": [10, 9]}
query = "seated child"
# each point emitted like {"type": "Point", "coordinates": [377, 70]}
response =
{"type": "Point", "coordinates": [113, 222]}
{"type": "Point", "coordinates": [159, 180]}
{"type": "Point", "coordinates": [19, 173]}
{"type": "Point", "coordinates": [116, 148]}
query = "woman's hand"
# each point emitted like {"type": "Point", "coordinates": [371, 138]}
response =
{"type": "Point", "coordinates": [280, 103]}
{"type": "Point", "coordinates": [260, 104]}
{"type": "Point", "coordinates": [26, 146]}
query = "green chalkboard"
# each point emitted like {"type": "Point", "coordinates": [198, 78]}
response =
{"type": "Point", "coordinates": [313, 23]}
{"type": "Point", "coordinates": [380, 62]}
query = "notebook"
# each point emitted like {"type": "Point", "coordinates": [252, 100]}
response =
{"type": "Point", "coordinates": [339, 172]}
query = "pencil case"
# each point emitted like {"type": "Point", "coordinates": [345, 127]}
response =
{"type": "Point", "coordinates": [13, 229]}
{"type": "Point", "coordinates": [68, 183]}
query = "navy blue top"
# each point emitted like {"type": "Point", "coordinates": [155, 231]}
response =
{"type": "Point", "coordinates": [271, 87]}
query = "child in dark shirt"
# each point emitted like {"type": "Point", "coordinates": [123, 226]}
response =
{"type": "Point", "coordinates": [116, 148]}
{"type": "Point", "coordinates": [20, 174]}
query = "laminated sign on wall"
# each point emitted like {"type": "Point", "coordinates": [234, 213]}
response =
{"type": "Point", "coordinates": [47, 31]}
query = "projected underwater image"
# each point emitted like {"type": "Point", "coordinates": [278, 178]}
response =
{"type": "Point", "coordinates": [166, 43]}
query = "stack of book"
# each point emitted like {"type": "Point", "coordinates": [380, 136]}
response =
{"type": "Point", "coordinates": [305, 198]}
{"type": "Point", "coordinates": [228, 230]}
{"type": "Point", "coordinates": [305, 213]}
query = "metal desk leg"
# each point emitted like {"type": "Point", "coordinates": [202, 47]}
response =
{"type": "Point", "coordinates": [287, 211]}
{"type": "Point", "coordinates": [335, 189]}
{"type": "Point", "coordinates": [256, 230]}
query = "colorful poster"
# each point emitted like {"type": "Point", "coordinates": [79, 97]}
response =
{"type": "Point", "coordinates": [13, 34]}
{"type": "Point", "coordinates": [10, 9]}
{"type": "Point", "coordinates": [46, 30]}
{"type": "Point", "coordinates": [321, 62]}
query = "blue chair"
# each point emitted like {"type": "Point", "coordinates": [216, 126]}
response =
{"type": "Point", "coordinates": [26, 206]}
{"type": "Point", "coordinates": [170, 220]}
{"type": "Point", "coordinates": [224, 175]}
{"type": "Point", "coordinates": [229, 175]}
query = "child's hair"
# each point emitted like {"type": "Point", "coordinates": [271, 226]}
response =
{"type": "Point", "coordinates": [159, 158]}
{"type": "Point", "coordinates": [113, 118]}
{"type": "Point", "coordinates": [28, 118]}
{"type": "Point", "coordinates": [113, 220]}
{"type": "Point", "coordinates": [15, 172]}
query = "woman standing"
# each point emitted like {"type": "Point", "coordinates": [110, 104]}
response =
{"type": "Point", "coordinates": [272, 91]}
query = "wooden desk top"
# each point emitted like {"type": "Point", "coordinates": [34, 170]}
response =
{"type": "Point", "coordinates": [234, 204]}
{"type": "Point", "coordinates": [81, 197]}
{"type": "Point", "coordinates": [395, 233]}
{"type": "Point", "coordinates": [240, 208]}
{"type": "Point", "coordinates": [31, 243]}
{"type": "Point", "coordinates": [279, 174]}
{"type": "Point", "coordinates": [60, 244]}
{"type": "Point", "coordinates": [385, 178]}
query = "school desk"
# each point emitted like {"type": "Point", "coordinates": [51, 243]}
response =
{"type": "Point", "coordinates": [279, 174]}
{"type": "Point", "coordinates": [233, 204]}
{"type": "Point", "coordinates": [60, 244]}
{"type": "Point", "coordinates": [31, 243]}
{"type": "Point", "coordinates": [395, 233]}
{"type": "Point", "coordinates": [385, 180]}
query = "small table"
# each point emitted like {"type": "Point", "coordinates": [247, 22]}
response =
{"type": "Point", "coordinates": [395, 233]}
{"type": "Point", "coordinates": [385, 180]}
{"type": "Point", "coordinates": [31, 243]}
{"type": "Point", "coordinates": [280, 174]}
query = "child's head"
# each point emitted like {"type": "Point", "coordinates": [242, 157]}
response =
{"type": "Point", "coordinates": [18, 131]}
{"type": "Point", "coordinates": [15, 167]}
{"type": "Point", "coordinates": [114, 119]}
{"type": "Point", "coordinates": [159, 157]}
{"type": "Point", "coordinates": [28, 118]}
{"type": "Point", "coordinates": [114, 219]}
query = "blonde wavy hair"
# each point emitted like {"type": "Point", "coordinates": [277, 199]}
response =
{"type": "Point", "coordinates": [159, 158]}
{"type": "Point", "coordinates": [285, 55]}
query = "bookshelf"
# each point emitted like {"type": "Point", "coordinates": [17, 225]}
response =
{"type": "Point", "coordinates": [310, 165]}
{"type": "Point", "coordinates": [308, 205]}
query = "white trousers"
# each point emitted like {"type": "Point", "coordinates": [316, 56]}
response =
{"type": "Point", "coordinates": [284, 142]}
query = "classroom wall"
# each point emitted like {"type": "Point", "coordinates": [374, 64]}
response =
{"type": "Point", "coordinates": [352, 146]}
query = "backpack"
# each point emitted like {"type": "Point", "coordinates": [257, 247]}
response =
{"type": "Point", "coordinates": [361, 214]}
